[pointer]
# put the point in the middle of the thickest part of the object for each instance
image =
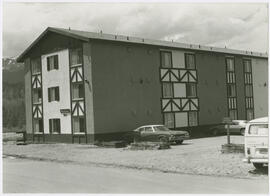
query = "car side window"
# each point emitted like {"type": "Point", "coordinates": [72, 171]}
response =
{"type": "Point", "coordinates": [148, 129]}
{"type": "Point", "coordinates": [141, 129]}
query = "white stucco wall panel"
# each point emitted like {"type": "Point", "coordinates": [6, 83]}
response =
{"type": "Point", "coordinates": [55, 78]}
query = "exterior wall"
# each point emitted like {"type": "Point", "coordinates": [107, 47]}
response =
{"type": "Point", "coordinates": [55, 78]}
{"type": "Point", "coordinates": [260, 87]}
{"type": "Point", "coordinates": [176, 109]}
{"type": "Point", "coordinates": [211, 87]}
{"type": "Point", "coordinates": [28, 96]}
{"type": "Point", "coordinates": [126, 86]}
{"type": "Point", "coordinates": [240, 90]}
{"type": "Point", "coordinates": [87, 65]}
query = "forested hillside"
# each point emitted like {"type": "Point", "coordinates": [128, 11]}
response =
{"type": "Point", "coordinates": [13, 95]}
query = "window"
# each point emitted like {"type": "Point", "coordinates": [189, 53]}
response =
{"type": "Point", "coordinates": [148, 129]}
{"type": "Point", "coordinates": [247, 66]}
{"type": "Point", "coordinates": [259, 129]}
{"type": "Point", "coordinates": [230, 64]}
{"type": "Point", "coordinates": [167, 90]}
{"type": "Point", "coordinates": [249, 92]}
{"type": "Point", "coordinates": [36, 66]}
{"type": "Point", "coordinates": [166, 59]}
{"type": "Point", "coordinates": [75, 56]}
{"type": "Point", "coordinates": [37, 95]}
{"type": "Point", "coordinates": [191, 90]}
{"type": "Point", "coordinates": [53, 94]}
{"type": "Point", "coordinates": [77, 90]}
{"type": "Point", "coordinates": [233, 114]}
{"type": "Point", "coordinates": [190, 61]}
{"type": "Point", "coordinates": [52, 62]}
{"type": "Point", "coordinates": [54, 125]}
{"type": "Point", "coordinates": [169, 120]}
{"type": "Point", "coordinates": [231, 90]}
{"type": "Point", "coordinates": [78, 124]}
{"type": "Point", "coordinates": [249, 114]}
{"type": "Point", "coordinates": [37, 125]}
{"type": "Point", "coordinates": [192, 119]}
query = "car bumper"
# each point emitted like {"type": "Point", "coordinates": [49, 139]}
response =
{"type": "Point", "coordinates": [253, 160]}
{"type": "Point", "coordinates": [179, 138]}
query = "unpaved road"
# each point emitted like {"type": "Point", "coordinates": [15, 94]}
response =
{"type": "Point", "coordinates": [27, 176]}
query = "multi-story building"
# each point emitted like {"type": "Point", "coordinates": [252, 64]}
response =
{"type": "Point", "coordinates": [87, 86]}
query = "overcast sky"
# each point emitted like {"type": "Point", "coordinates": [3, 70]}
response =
{"type": "Point", "coordinates": [238, 26]}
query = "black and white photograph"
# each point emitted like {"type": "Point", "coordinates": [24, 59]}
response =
{"type": "Point", "coordinates": [122, 97]}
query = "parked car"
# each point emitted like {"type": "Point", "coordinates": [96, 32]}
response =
{"type": "Point", "coordinates": [256, 142]}
{"type": "Point", "coordinates": [237, 127]}
{"type": "Point", "coordinates": [159, 133]}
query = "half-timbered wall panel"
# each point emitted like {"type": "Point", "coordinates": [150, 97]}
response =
{"type": "Point", "coordinates": [180, 75]}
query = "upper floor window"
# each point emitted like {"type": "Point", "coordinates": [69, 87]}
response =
{"type": "Point", "coordinates": [230, 64]}
{"type": "Point", "coordinates": [190, 61]}
{"type": "Point", "coordinates": [52, 62]}
{"type": "Point", "coordinates": [166, 59]}
{"type": "Point", "coordinates": [75, 56]}
{"type": "Point", "coordinates": [191, 90]}
{"type": "Point", "coordinates": [167, 90]}
{"type": "Point", "coordinates": [54, 125]}
{"type": "Point", "coordinates": [53, 94]}
{"type": "Point", "coordinates": [247, 66]}
{"type": "Point", "coordinates": [77, 90]}
{"type": "Point", "coordinates": [36, 66]}
{"type": "Point", "coordinates": [248, 89]}
{"type": "Point", "coordinates": [231, 90]}
{"type": "Point", "coordinates": [37, 95]}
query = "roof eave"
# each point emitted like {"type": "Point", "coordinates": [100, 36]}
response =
{"type": "Point", "coordinates": [22, 56]}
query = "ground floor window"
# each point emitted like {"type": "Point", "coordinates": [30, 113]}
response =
{"type": "Point", "coordinates": [250, 114]}
{"type": "Point", "coordinates": [233, 114]}
{"type": "Point", "coordinates": [54, 125]}
{"type": "Point", "coordinates": [38, 125]}
{"type": "Point", "coordinates": [169, 120]}
{"type": "Point", "coordinates": [78, 124]}
{"type": "Point", "coordinates": [192, 119]}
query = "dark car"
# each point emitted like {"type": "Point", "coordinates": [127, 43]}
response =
{"type": "Point", "coordinates": [237, 127]}
{"type": "Point", "coordinates": [159, 133]}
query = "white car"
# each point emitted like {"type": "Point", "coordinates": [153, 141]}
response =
{"type": "Point", "coordinates": [256, 142]}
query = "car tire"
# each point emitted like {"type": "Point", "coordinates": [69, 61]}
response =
{"type": "Point", "coordinates": [179, 141]}
{"type": "Point", "coordinates": [242, 131]}
{"type": "Point", "coordinates": [258, 165]}
{"type": "Point", "coordinates": [163, 139]}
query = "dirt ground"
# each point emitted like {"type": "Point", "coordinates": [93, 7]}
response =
{"type": "Point", "coordinates": [197, 156]}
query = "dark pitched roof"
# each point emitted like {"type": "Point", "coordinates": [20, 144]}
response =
{"type": "Point", "coordinates": [86, 36]}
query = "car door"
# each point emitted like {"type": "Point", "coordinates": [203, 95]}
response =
{"type": "Point", "coordinates": [235, 127]}
{"type": "Point", "coordinates": [147, 134]}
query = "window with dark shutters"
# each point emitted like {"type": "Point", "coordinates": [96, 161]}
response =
{"type": "Point", "coordinates": [52, 62]}
{"type": "Point", "coordinates": [57, 98]}
{"type": "Point", "coordinates": [53, 94]}
{"type": "Point", "coordinates": [54, 125]}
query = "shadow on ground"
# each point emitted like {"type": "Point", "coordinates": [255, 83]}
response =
{"type": "Point", "coordinates": [262, 171]}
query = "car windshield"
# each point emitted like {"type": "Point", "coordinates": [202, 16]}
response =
{"type": "Point", "coordinates": [161, 128]}
{"type": "Point", "coordinates": [260, 129]}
